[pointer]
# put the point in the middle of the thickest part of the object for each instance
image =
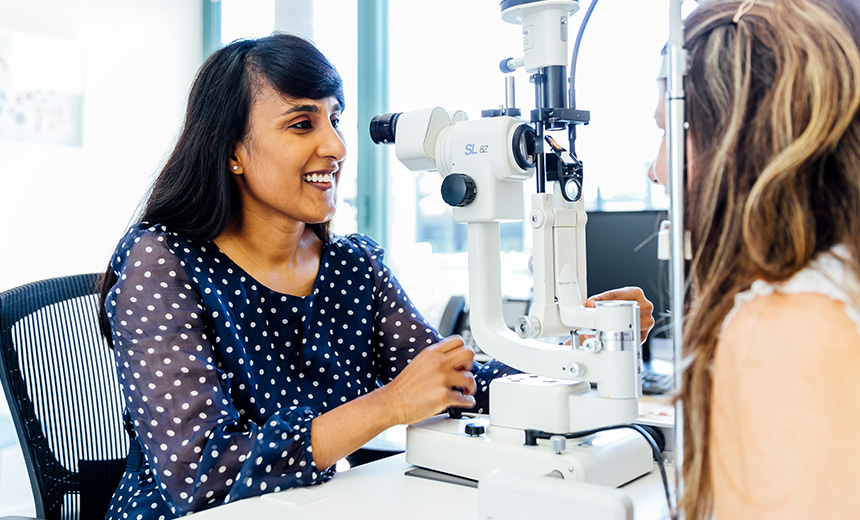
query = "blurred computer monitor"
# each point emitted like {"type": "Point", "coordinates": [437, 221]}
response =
{"type": "Point", "coordinates": [621, 250]}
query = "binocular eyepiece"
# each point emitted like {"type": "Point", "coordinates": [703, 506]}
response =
{"type": "Point", "coordinates": [383, 128]}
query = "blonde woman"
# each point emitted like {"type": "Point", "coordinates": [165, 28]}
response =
{"type": "Point", "coordinates": [771, 389]}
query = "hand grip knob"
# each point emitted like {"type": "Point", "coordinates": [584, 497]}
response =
{"type": "Point", "coordinates": [475, 429]}
{"type": "Point", "coordinates": [459, 190]}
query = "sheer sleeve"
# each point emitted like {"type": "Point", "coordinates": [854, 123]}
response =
{"type": "Point", "coordinates": [401, 331]}
{"type": "Point", "coordinates": [200, 451]}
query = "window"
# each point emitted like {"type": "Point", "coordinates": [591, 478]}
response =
{"type": "Point", "coordinates": [446, 53]}
{"type": "Point", "coordinates": [448, 56]}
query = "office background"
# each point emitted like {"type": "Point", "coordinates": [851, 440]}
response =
{"type": "Point", "coordinates": [92, 96]}
{"type": "Point", "coordinates": [63, 205]}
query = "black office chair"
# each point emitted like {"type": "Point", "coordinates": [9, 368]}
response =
{"type": "Point", "coordinates": [59, 377]}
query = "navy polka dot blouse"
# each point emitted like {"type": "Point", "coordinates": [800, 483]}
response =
{"type": "Point", "coordinates": [222, 376]}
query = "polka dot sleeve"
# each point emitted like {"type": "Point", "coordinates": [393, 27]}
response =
{"type": "Point", "coordinates": [401, 331]}
{"type": "Point", "coordinates": [201, 450]}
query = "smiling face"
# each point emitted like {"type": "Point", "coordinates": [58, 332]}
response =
{"type": "Point", "coordinates": [288, 166]}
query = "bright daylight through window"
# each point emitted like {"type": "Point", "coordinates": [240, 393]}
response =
{"type": "Point", "coordinates": [448, 56]}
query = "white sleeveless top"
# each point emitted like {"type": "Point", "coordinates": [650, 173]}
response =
{"type": "Point", "coordinates": [826, 275]}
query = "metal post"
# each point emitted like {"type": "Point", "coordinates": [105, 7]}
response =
{"type": "Point", "coordinates": [677, 59]}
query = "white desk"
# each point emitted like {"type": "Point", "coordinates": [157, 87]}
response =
{"type": "Point", "coordinates": [380, 490]}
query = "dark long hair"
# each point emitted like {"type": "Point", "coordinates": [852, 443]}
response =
{"type": "Point", "coordinates": [195, 194]}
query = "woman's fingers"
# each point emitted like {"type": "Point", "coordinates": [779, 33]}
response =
{"type": "Point", "coordinates": [635, 294]}
{"type": "Point", "coordinates": [461, 359]}
{"type": "Point", "coordinates": [460, 399]}
{"type": "Point", "coordinates": [449, 344]}
{"type": "Point", "coordinates": [458, 360]}
{"type": "Point", "coordinates": [437, 378]}
{"type": "Point", "coordinates": [455, 353]}
{"type": "Point", "coordinates": [464, 381]}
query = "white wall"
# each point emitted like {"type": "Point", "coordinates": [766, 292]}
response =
{"type": "Point", "coordinates": [63, 208]}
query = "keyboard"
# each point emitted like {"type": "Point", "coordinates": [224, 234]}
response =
{"type": "Point", "coordinates": [655, 383]}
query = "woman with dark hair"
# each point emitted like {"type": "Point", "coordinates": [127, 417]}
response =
{"type": "Point", "coordinates": [249, 340]}
{"type": "Point", "coordinates": [771, 414]}
{"type": "Point", "coordinates": [255, 348]}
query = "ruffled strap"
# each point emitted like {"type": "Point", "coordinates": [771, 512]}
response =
{"type": "Point", "coordinates": [826, 275]}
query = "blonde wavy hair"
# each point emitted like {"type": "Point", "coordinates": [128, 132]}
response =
{"type": "Point", "coordinates": [772, 106]}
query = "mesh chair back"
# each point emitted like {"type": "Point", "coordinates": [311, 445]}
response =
{"type": "Point", "coordinates": [61, 384]}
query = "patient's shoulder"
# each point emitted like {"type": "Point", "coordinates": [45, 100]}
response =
{"type": "Point", "coordinates": [796, 326]}
{"type": "Point", "coordinates": [783, 381]}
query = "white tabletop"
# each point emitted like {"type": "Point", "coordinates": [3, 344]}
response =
{"type": "Point", "coordinates": [381, 490]}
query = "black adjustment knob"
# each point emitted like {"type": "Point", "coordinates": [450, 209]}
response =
{"type": "Point", "coordinates": [475, 429]}
{"type": "Point", "coordinates": [458, 190]}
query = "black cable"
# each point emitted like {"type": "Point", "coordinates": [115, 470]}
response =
{"type": "Point", "coordinates": [571, 95]}
{"type": "Point", "coordinates": [573, 58]}
{"type": "Point", "coordinates": [532, 436]}
{"type": "Point", "coordinates": [658, 456]}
